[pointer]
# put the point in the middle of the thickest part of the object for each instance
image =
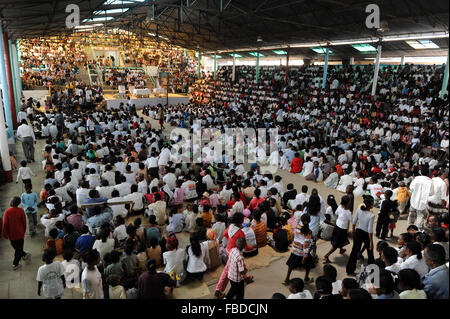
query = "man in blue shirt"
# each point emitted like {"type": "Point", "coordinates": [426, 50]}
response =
{"type": "Point", "coordinates": [436, 281]}
{"type": "Point", "coordinates": [85, 241]}
{"type": "Point", "coordinates": [100, 218]}
{"type": "Point", "coordinates": [289, 153]}
{"type": "Point", "coordinates": [94, 198]}
{"type": "Point", "coordinates": [30, 203]}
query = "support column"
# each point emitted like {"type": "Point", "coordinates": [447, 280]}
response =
{"type": "Point", "coordinates": [9, 79]}
{"type": "Point", "coordinates": [17, 78]}
{"type": "Point", "coordinates": [199, 65]}
{"type": "Point", "coordinates": [4, 150]}
{"type": "Point", "coordinates": [325, 68]}
{"type": "Point", "coordinates": [257, 68]}
{"type": "Point", "coordinates": [286, 72]}
{"type": "Point", "coordinates": [233, 74]}
{"type": "Point", "coordinates": [6, 103]}
{"type": "Point", "coordinates": [444, 80]}
{"type": "Point", "coordinates": [377, 69]}
{"type": "Point", "coordinates": [215, 65]}
{"type": "Point", "coordinates": [402, 60]}
{"type": "Point", "coordinates": [13, 76]}
{"type": "Point", "coordinates": [352, 60]}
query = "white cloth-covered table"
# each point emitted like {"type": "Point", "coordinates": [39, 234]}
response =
{"type": "Point", "coordinates": [138, 92]}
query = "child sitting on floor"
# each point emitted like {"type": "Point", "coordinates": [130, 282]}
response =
{"type": "Point", "coordinates": [70, 264]}
{"type": "Point", "coordinates": [154, 251]}
{"type": "Point", "coordinates": [176, 221]}
{"type": "Point", "coordinates": [191, 216]}
{"type": "Point", "coordinates": [296, 287]}
{"type": "Point", "coordinates": [326, 229]}
{"type": "Point", "coordinates": [55, 242]}
{"type": "Point", "coordinates": [116, 290]}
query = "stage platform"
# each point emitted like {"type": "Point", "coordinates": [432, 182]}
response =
{"type": "Point", "coordinates": [113, 102]}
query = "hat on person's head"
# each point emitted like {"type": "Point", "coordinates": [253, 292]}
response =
{"type": "Point", "coordinates": [206, 194]}
{"type": "Point", "coordinates": [246, 212]}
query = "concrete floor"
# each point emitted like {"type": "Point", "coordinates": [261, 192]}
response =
{"type": "Point", "coordinates": [268, 280]}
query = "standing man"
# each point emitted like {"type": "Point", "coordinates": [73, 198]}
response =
{"type": "Point", "coordinates": [161, 117]}
{"type": "Point", "coordinates": [237, 271]}
{"type": "Point", "coordinates": [438, 197]}
{"type": "Point", "coordinates": [22, 115]}
{"type": "Point", "coordinates": [30, 112]}
{"type": "Point", "coordinates": [26, 134]}
{"type": "Point", "coordinates": [14, 227]}
{"type": "Point", "coordinates": [420, 188]}
{"type": "Point", "coordinates": [59, 119]}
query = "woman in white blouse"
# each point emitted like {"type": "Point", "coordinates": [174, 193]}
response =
{"type": "Point", "coordinates": [105, 244]}
{"type": "Point", "coordinates": [340, 231]}
{"type": "Point", "coordinates": [362, 234]}
{"type": "Point", "coordinates": [198, 258]}
{"type": "Point", "coordinates": [414, 258]}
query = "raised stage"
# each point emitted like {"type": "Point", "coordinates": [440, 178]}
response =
{"type": "Point", "coordinates": [113, 102]}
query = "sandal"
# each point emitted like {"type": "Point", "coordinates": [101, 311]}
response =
{"type": "Point", "coordinates": [249, 280]}
{"type": "Point", "coordinates": [309, 280]}
{"type": "Point", "coordinates": [219, 295]}
{"type": "Point", "coordinates": [326, 261]}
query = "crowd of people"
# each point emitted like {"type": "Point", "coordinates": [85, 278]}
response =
{"type": "Point", "coordinates": [56, 61]}
{"type": "Point", "coordinates": [50, 61]}
{"type": "Point", "coordinates": [119, 198]}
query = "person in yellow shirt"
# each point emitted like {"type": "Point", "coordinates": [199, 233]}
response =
{"type": "Point", "coordinates": [403, 195]}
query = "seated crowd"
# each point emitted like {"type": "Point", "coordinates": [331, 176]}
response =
{"type": "Point", "coordinates": [120, 199]}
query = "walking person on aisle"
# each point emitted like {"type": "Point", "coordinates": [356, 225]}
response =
{"type": "Point", "coordinates": [237, 271]}
{"type": "Point", "coordinates": [420, 188]}
{"type": "Point", "coordinates": [26, 134]}
{"type": "Point", "coordinates": [14, 227]}
{"type": "Point", "coordinates": [30, 203]}
{"type": "Point", "coordinates": [362, 234]}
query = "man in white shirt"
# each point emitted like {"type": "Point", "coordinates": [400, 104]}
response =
{"type": "Point", "coordinates": [21, 116]}
{"type": "Point", "coordinates": [169, 178]}
{"type": "Point", "coordinates": [117, 209]}
{"type": "Point", "coordinates": [124, 188]}
{"type": "Point", "coordinates": [308, 167]}
{"type": "Point", "coordinates": [137, 198]}
{"type": "Point", "coordinates": [438, 196]}
{"type": "Point", "coordinates": [109, 175]}
{"type": "Point", "coordinates": [420, 188]}
{"type": "Point", "coordinates": [82, 193]}
{"type": "Point", "coordinates": [26, 134]}
{"type": "Point", "coordinates": [208, 180]}
{"type": "Point", "coordinates": [163, 160]}
{"type": "Point", "coordinates": [105, 190]}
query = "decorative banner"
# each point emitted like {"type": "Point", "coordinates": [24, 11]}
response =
{"type": "Point", "coordinates": [151, 70]}
{"type": "Point", "coordinates": [164, 79]}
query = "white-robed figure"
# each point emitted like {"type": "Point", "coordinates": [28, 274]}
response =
{"type": "Point", "coordinates": [284, 163]}
{"type": "Point", "coordinates": [344, 181]}
{"type": "Point", "coordinates": [358, 184]}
